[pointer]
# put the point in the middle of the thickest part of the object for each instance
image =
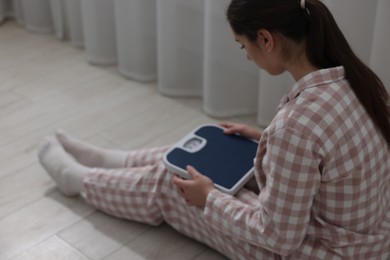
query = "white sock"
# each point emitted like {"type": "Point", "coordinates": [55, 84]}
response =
{"type": "Point", "coordinates": [90, 155]}
{"type": "Point", "coordinates": [63, 169]}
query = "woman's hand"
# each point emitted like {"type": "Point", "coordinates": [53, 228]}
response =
{"type": "Point", "coordinates": [244, 130]}
{"type": "Point", "coordinates": [195, 191]}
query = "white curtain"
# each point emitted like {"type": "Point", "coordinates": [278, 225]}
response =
{"type": "Point", "coordinates": [2, 11]}
{"type": "Point", "coordinates": [380, 54]}
{"type": "Point", "coordinates": [61, 23]}
{"type": "Point", "coordinates": [188, 47]}
{"type": "Point", "coordinates": [136, 39]}
{"type": "Point", "coordinates": [230, 81]}
{"type": "Point", "coordinates": [180, 31]}
{"type": "Point", "coordinates": [37, 14]}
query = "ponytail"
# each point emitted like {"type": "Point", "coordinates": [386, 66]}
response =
{"type": "Point", "coordinates": [326, 46]}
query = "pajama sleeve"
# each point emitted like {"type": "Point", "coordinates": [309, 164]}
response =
{"type": "Point", "coordinates": [279, 221]}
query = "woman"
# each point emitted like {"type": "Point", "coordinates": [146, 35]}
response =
{"type": "Point", "coordinates": [322, 166]}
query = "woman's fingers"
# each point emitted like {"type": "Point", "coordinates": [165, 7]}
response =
{"type": "Point", "coordinates": [230, 128]}
{"type": "Point", "coordinates": [192, 171]}
{"type": "Point", "coordinates": [179, 182]}
{"type": "Point", "coordinates": [195, 190]}
{"type": "Point", "coordinates": [225, 124]}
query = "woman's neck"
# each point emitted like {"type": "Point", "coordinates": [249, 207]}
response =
{"type": "Point", "coordinates": [300, 70]}
{"type": "Point", "coordinates": [299, 65]}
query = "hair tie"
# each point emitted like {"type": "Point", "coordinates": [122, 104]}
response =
{"type": "Point", "coordinates": [303, 4]}
{"type": "Point", "coordinates": [304, 8]}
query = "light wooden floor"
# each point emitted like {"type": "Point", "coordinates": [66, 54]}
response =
{"type": "Point", "coordinates": [46, 84]}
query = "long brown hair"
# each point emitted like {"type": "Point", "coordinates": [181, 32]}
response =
{"type": "Point", "coordinates": [326, 45]}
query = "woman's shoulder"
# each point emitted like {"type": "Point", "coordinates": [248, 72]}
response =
{"type": "Point", "coordinates": [318, 111]}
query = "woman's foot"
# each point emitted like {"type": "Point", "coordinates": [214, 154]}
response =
{"type": "Point", "coordinates": [63, 169]}
{"type": "Point", "coordinates": [90, 155]}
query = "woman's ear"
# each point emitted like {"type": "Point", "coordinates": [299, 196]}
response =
{"type": "Point", "coordinates": [265, 39]}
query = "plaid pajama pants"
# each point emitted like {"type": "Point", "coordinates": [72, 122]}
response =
{"type": "Point", "coordinates": [144, 192]}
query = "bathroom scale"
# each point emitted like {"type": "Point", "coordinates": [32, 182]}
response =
{"type": "Point", "coordinates": [226, 159]}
